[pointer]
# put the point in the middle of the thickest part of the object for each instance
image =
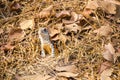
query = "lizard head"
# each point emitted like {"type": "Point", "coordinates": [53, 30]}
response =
{"type": "Point", "coordinates": [43, 31]}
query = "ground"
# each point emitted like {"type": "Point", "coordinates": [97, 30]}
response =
{"type": "Point", "coordinates": [85, 34]}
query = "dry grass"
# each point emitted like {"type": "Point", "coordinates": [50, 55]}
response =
{"type": "Point", "coordinates": [25, 58]}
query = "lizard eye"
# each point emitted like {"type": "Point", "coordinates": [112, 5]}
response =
{"type": "Point", "coordinates": [45, 30]}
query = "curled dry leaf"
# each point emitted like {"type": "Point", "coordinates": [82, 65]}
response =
{"type": "Point", "coordinates": [109, 53]}
{"type": "Point", "coordinates": [104, 66]}
{"type": "Point", "coordinates": [67, 74]}
{"type": "Point", "coordinates": [55, 30]}
{"type": "Point", "coordinates": [74, 17]}
{"type": "Point", "coordinates": [27, 24]}
{"type": "Point", "coordinates": [16, 34]}
{"type": "Point", "coordinates": [104, 30]}
{"type": "Point", "coordinates": [63, 14]}
{"type": "Point", "coordinates": [105, 75]}
{"type": "Point", "coordinates": [47, 12]}
{"type": "Point", "coordinates": [72, 28]}
{"type": "Point", "coordinates": [68, 68]}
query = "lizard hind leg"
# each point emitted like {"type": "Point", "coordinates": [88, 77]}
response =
{"type": "Point", "coordinates": [43, 53]}
{"type": "Point", "coordinates": [52, 51]}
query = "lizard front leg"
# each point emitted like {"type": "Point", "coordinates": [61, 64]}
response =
{"type": "Point", "coordinates": [42, 51]}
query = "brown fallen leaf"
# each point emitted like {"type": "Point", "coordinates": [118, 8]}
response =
{"type": "Point", "coordinates": [46, 12]}
{"type": "Point", "coordinates": [109, 47]}
{"type": "Point", "coordinates": [63, 38]}
{"type": "Point", "coordinates": [15, 6]}
{"type": "Point", "coordinates": [72, 28]}
{"type": "Point", "coordinates": [1, 31]}
{"type": "Point", "coordinates": [67, 74]}
{"type": "Point", "coordinates": [103, 30]}
{"type": "Point", "coordinates": [105, 75]}
{"type": "Point", "coordinates": [53, 32]}
{"type": "Point", "coordinates": [118, 50]}
{"type": "Point", "coordinates": [114, 2]}
{"type": "Point", "coordinates": [105, 65]}
{"type": "Point", "coordinates": [74, 17]}
{"type": "Point", "coordinates": [90, 8]}
{"type": "Point", "coordinates": [27, 24]}
{"type": "Point", "coordinates": [107, 6]}
{"type": "Point", "coordinates": [8, 46]}
{"type": "Point", "coordinates": [68, 68]}
{"type": "Point", "coordinates": [63, 14]}
{"type": "Point", "coordinates": [108, 56]}
{"type": "Point", "coordinates": [35, 77]}
{"type": "Point", "coordinates": [56, 29]}
{"type": "Point", "coordinates": [87, 12]}
{"type": "Point", "coordinates": [92, 5]}
{"type": "Point", "coordinates": [61, 78]}
{"type": "Point", "coordinates": [109, 53]}
{"type": "Point", "coordinates": [16, 34]}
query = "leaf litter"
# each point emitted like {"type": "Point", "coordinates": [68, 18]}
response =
{"type": "Point", "coordinates": [87, 41]}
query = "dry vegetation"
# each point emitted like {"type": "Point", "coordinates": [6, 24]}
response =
{"type": "Point", "coordinates": [86, 35]}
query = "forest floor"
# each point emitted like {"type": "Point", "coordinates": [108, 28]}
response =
{"type": "Point", "coordinates": [85, 34]}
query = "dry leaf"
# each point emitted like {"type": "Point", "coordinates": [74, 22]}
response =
{"type": "Point", "coordinates": [103, 31]}
{"type": "Point", "coordinates": [92, 4]}
{"type": "Point", "coordinates": [61, 78]}
{"type": "Point", "coordinates": [15, 6]}
{"type": "Point", "coordinates": [117, 16]}
{"type": "Point", "coordinates": [72, 28]}
{"type": "Point", "coordinates": [63, 38]}
{"type": "Point", "coordinates": [27, 24]}
{"type": "Point", "coordinates": [60, 37]}
{"type": "Point", "coordinates": [104, 66]}
{"type": "Point", "coordinates": [107, 6]}
{"type": "Point", "coordinates": [110, 48]}
{"type": "Point", "coordinates": [114, 2]}
{"type": "Point", "coordinates": [68, 68]}
{"type": "Point", "coordinates": [87, 12]}
{"type": "Point", "coordinates": [105, 75]}
{"type": "Point", "coordinates": [74, 17]}
{"type": "Point", "coordinates": [67, 74]}
{"type": "Point", "coordinates": [16, 34]}
{"type": "Point", "coordinates": [47, 12]}
{"type": "Point", "coordinates": [90, 7]}
{"type": "Point", "coordinates": [53, 32]}
{"type": "Point", "coordinates": [34, 77]}
{"type": "Point", "coordinates": [108, 56]}
{"type": "Point", "coordinates": [109, 53]}
{"type": "Point", "coordinates": [8, 46]}
{"type": "Point", "coordinates": [1, 31]}
{"type": "Point", "coordinates": [118, 50]}
{"type": "Point", "coordinates": [63, 14]}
